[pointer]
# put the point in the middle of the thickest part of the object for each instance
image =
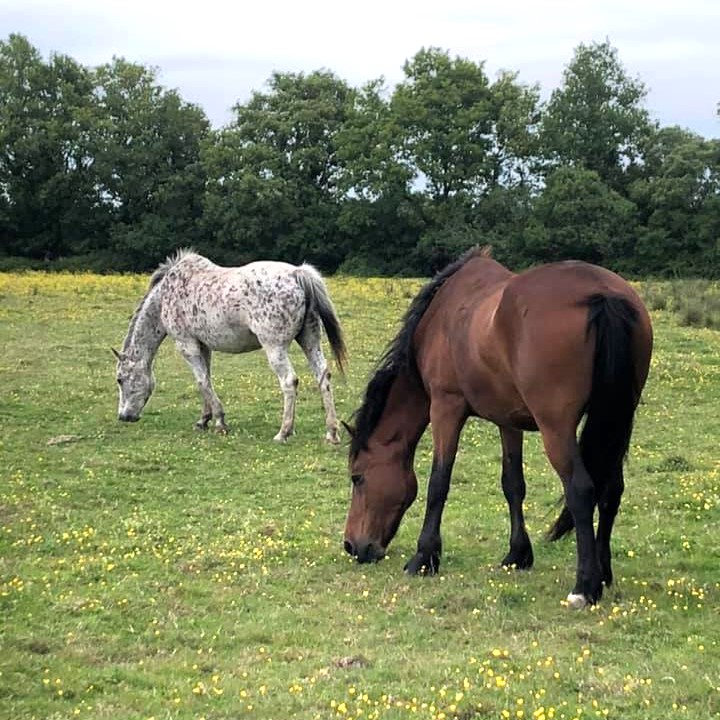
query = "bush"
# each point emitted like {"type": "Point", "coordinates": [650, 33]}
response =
{"type": "Point", "coordinates": [695, 303]}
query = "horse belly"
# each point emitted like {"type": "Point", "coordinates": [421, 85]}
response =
{"type": "Point", "coordinates": [503, 409]}
{"type": "Point", "coordinates": [231, 339]}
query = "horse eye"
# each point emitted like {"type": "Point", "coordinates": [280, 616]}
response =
{"type": "Point", "coordinates": [356, 479]}
{"type": "Point", "coordinates": [119, 381]}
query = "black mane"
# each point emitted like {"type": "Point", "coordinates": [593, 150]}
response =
{"type": "Point", "coordinates": [398, 356]}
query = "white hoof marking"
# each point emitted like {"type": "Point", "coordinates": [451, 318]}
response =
{"type": "Point", "coordinates": [576, 602]}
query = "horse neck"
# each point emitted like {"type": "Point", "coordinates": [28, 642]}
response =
{"type": "Point", "coordinates": [405, 416]}
{"type": "Point", "coordinates": [146, 328]}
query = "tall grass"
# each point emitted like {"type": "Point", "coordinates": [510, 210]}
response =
{"type": "Point", "coordinates": [695, 303]}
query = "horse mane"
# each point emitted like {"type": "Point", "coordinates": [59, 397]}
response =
{"type": "Point", "coordinates": [170, 262]}
{"type": "Point", "coordinates": [159, 274]}
{"type": "Point", "coordinates": [398, 356]}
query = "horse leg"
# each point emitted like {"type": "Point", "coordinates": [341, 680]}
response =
{"type": "Point", "coordinates": [309, 341]}
{"type": "Point", "coordinates": [513, 485]}
{"type": "Point", "coordinates": [279, 361]}
{"type": "Point", "coordinates": [207, 413]}
{"type": "Point", "coordinates": [608, 506]}
{"type": "Point", "coordinates": [447, 418]}
{"type": "Point", "coordinates": [197, 356]}
{"type": "Point", "coordinates": [564, 455]}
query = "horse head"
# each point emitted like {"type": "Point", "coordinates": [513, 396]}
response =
{"type": "Point", "coordinates": [383, 488]}
{"type": "Point", "coordinates": [135, 384]}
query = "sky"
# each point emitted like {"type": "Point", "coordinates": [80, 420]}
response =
{"type": "Point", "coordinates": [217, 52]}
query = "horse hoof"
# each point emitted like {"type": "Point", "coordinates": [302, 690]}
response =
{"type": "Point", "coordinates": [423, 565]}
{"type": "Point", "coordinates": [576, 602]}
{"type": "Point", "coordinates": [280, 438]}
{"type": "Point", "coordinates": [333, 437]}
{"type": "Point", "coordinates": [518, 561]}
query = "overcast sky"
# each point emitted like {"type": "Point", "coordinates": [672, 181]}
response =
{"type": "Point", "coordinates": [216, 52]}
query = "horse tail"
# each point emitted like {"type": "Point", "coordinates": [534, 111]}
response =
{"type": "Point", "coordinates": [317, 297]}
{"type": "Point", "coordinates": [614, 395]}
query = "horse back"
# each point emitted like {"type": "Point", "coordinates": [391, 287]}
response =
{"type": "Point", "coordinates": [232, 309]}
{"type": "Point", "coordinates": [548, 337]}
{"type": "Point", "coordinates": [519, 347]}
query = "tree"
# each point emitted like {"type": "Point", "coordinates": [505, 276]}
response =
{"type": "Point", "coordinates": [443, 110]}
{"type": "Point", "coordinates": [47, 180]}
{"type": "Point", "coordinates": [679, 199]}
{"type": "Point", "coordinates": [596, 119]}
{"type": "Point", "coordinates": [369, 146]}
{"type": "Point", "coordinates": [515, 152]}
{"type": "Point", "coordinates": [147, 149]}
{"type": "Point", "coordinates": [380, 217]}
{"type": "Point", "coordinates": [579, 217]}
{"type": "Point", "coordinates": [278, 165]}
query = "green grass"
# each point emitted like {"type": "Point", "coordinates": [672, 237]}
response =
{"type": "Point", "coordinates": [148, 571]}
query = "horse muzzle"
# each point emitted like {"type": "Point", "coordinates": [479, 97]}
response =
{"type": "Point", "coordinates": [364, 551]}
{"type": "Point", "coordinates": [126, 417]}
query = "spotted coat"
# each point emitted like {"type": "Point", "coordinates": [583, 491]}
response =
{"type": "Point", "coordinates": [206, 307]}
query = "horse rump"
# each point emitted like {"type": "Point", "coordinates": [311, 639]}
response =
{"type": "Point", "coordinates": [614, 395]}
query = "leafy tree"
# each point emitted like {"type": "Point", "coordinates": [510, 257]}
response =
{"type": "Point", "coordinates": [380, 217]}
{"type": "Point", "coordinates": [369, 146]}
{"type": "Point", "coordinates": [147, 150]}
{"type": "Point", "coordinates": [46, 176]}
{"type": "Point", "coordinates": [579, 217]}
{"type": "Point", "coordinates": [679, 199]}
{"type": "Point", "coordinates": [515, 151]}
{"type": "Point", "coordinates": [443, 110]}
{"type": "Point", "coordinates": [596, 119]}
{"type": "Point", "coordinates": [283, 146]}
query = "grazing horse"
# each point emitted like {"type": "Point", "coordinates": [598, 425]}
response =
{"type": "Point", "coordinates": [531, 351]}
{"type": "Point", "coordinates": [204, 307]}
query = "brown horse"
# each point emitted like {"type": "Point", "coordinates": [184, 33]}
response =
{"type": "Point", "coordinates": [532, 351]}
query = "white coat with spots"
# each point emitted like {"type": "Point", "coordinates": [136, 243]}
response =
{"type": "Point", "coordinates": [205, 307]}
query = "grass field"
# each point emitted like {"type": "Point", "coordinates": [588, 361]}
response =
{"type": "Point", "coordinates": [149, 571]}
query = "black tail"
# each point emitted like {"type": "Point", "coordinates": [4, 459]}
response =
{"type": "Point", "coordinates": [317, 297]}
{"type": "Point", "coordinates": [605, 437]}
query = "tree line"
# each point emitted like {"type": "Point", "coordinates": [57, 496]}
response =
{"type": "Point", "coordinates": [105, 169]}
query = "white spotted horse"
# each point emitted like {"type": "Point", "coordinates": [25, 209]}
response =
{"type": "Point", "coordinates": [204, 308]}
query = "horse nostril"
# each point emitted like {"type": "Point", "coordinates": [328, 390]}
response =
{"type": "Point", "coordinates": [349, 547]}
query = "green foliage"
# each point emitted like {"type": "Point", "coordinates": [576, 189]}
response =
{"type": "Point", "coordinates": [443, 112]}
{"type": "Point", "coordinates": [105, 165]}
{"type": "Point", "coordinates": [148, 570]}
{"type": "Point", "coordinates": [695, 303]}
{"type": "Point", "coordinates": [515, 156]}
{"type": "Point", "coordinates": [148, 161]}
{"type": "Point", "coordinates": [578, 216]}
{"type": "Point", "coordinates": [369, 148]}
{"type": "Point", "coordinates": [95, 160]}
{"type": "Point", "coordinates": [679, 199]}
{"type": "Point", "coordinates": [47, 182]}
{"type": "Point", "coordinates": [596, 119]}
{"type": "Point", "coordinates": [277, 167]}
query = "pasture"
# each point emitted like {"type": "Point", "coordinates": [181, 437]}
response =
{"type": "Point", "coordinates": [151, 571]}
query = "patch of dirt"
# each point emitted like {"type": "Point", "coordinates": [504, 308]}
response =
{"type": "Point", "coordinates": [63, 439]}
{"type": "Point", "coordinates": [351, 662]}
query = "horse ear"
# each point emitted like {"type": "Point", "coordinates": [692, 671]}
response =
{"type": "Point", "coordinates": [116, 353]}
{"type": "Point", "coordinates": [350, 429]}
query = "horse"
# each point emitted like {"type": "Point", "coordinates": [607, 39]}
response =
{"type": "Point", "coordinates": [205, 307]}
{"type": "Point", "coordinates": [535, 351]}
